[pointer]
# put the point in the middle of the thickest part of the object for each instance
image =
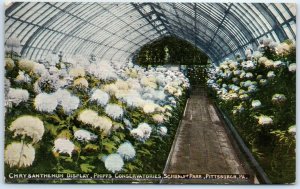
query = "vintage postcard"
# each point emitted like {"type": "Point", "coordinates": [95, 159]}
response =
{"type": "Point", "coordinates": [150, 93]}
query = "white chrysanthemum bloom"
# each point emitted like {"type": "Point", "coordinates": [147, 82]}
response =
{"type": "Point", "coordinates": [262, 60]}
{"type": "Point", "coordinates": [26, 65]}
{"type": "Point", "coordinates": [88, 116]}
{"type": "Point", "coordinates": [263, 82]}
{"type": "Point", "coordinates": [29, 126]}
{"type": "Point", "coordinates": [103, 123]}
{"type": "Point", "coordinates": [102, 71]}
{"type": "Point", "coordinates": [19, 155]}
{"type": "Point", "coordinates": [257, 55]}
{"type": "Point", "coordinates": [278, 98]}
{"type": "Point", "coordinates": [77, 72]}
{"type": "Point", "coordinates": [70, 104]}
{"type": "Point", "coordinates": [252, 88]}
{"type": "Point", "coordinates": [84, 135]}
{"type": "Point", "coordinates": [9, 64]}
{"type": "Point", "coordinates": [269, 63]}
{"type": "Point", "coordinates": [178, 93]}
{"type": "Point", "coordinates": [53, 70]}
{"type": "Point", "coordinates": [114, 163]}
{"type": "Point", "coordinates": [292, 129]}
{"type": "Point", "coordinates": [292, 67]}
{"type": "Point", "coordinates": [149, 81]}
{"type": "Point", "coordinates": [134, 84]}
{"type": "Point", "coordinates": [111, 89]}
{"type": "Point", "coordinates": [45, 102]}
{"type": "Point", "coordinates": [122, 85]}
{"type": "Point", "coordinates": [248, 65]}
{"type": "Point", "coordinates": [256, 103]}
{"type": "Point", "coordinates": [163, 130]}
{"type": "Point", "coordinates": [100, 97]}
{"type": "Point", "coordinates": [158, 118]}
{"type": "Point", "coordinates": [16, 96]}
{"type": "Point", "coordinates": [237, 72]}
{"type": "Point", "coordinates": [137, 133]}
{"type": "Point", "coordinates": [63, 146]}
{"type": "Point", "coordinates": [114, 111]}
{"type": "Point", "coordinates": [265, 120]}
{"type": "Point", "coordinates": [22, 77]}
{"type": "Point", "coordinates": [249, 75]}
{"type": "Point", "coordinates": [271, 74]}
{"type": "Point", "coordinates": [283, 48]}
{"type": "Point", "coordinates": [81, 83]}
{"type": "Point", "coordinates": [278, 64]}
{"type": "Point", "coordinates": [244, 97]}
{"type": "Point", "coordinates": [39, 69]}
{"type": "Point", "coordinates": [149, 107]}
{"type": "Point", "coordinates": [61, 94]}
{"type": "Point", "coordinates": [126, 151]}
{"type": "Point", "coordinates": [146, 129]}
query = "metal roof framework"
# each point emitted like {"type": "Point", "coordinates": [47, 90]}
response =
{"type": "Point", "coordinates": [116, 31]}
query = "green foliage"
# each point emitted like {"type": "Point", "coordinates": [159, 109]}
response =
{"type": "Point", "coordinates": [272, 145]}
{"type": "Point", "coordinates": [88, 156]}
{"type": "Point", "coordinates": [170, 50]}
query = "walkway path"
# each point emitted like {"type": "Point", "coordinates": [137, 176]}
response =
{"type": "Point", "coordinates": [202, 145]}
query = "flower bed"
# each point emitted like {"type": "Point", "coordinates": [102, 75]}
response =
{"type": "Point", "coordinates": [95, 117]}
{"type": "Point", "coordinates": [259, 95]}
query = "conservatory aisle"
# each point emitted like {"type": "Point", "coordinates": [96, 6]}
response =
{"type": "Point", "coordinates": [202, 145]}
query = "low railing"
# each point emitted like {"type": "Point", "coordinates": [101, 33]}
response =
{"type": "Point", "coordinates": [261, 175]}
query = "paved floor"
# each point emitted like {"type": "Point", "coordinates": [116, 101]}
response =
{"type": "Point", "coordinates": [202, 145]}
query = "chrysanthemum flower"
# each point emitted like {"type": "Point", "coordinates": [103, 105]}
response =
{"type": "Point", "coordinates": [163, 130]}
{"type": "Point", "coordinates": [114, 163]}
{"type": "Point", "coordinates": [81, 83]}
{"type": "Point", "coordinates": [103, 123]}
{"type": "Point", "coordinates": [256, 103]}
{"type": "Point", "coordinates": [84, 135]}
{"type": "Point", "coordinates": [292, 129]}
{"type": "Point", "coordinates": [16, 96]}
{"type": "Point", "coordinates": [126, 151]}
{"type": "Point", "coordinates": [100, 97]}
{"type": "Point", "coordinates": [263, 82]}
{"type": "Point", "coordinates": [114, 111]}
{"type": "Point", "coordinates": [63, 146]}
{"type": "Point", "coordinates": [265, 120]}
{"type": "Point", "coordinates": [26, 65]}
{"type": "Point", "coordinates": [149, 107]}
{"type": "Point", "coordinates": [88, 116]}
{"type": "Point", "coordinates": [70, 104]}
{"type": "Point", "coordinates": [111, 89]}
{"type": "Point", "coordinates": [158, 118]}
{"type": "Point", "coordinates": [292, 67]}
{"type": "Point", "coordinates": [29, 126]}
{"type": "Point", "coordinates": [19, 155]}
{"type": "Point", "coordinates": [9, 64]}
{"type": "Point", "coordinates": [271, 74]}
{"type": "Point", "coordinates": [77, 72]}
{"type": "Point", "coordinates": [45, 102]}
{"type": "Point", "coordinates": [39, 69]}
{"type": "Point", "coordinates": [278, 98]}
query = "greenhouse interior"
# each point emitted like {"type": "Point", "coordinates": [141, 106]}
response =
{"type": "Point", "coordinates": [150, 92]}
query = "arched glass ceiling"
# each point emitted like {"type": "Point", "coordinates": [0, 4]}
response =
{"type": "Point", "coordinates": [116, 31]}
